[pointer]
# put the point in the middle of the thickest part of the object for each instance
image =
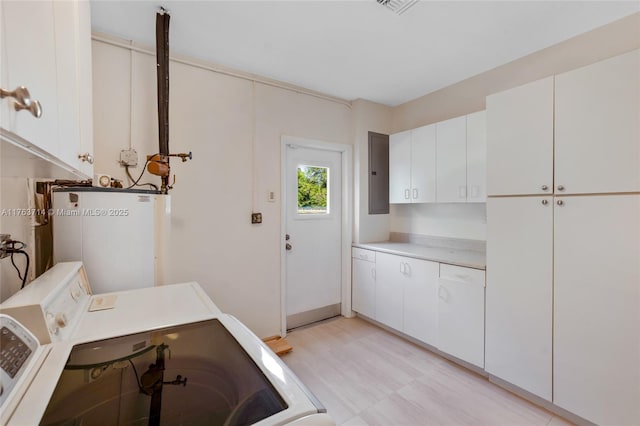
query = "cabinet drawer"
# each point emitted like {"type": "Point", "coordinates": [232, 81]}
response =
{"type": "Point", "coordinates": [462, 274]}
{"type": "Point", "coordinates": [362, 254]}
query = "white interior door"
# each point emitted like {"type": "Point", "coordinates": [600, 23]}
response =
{"type": "Point", "coordinates": [314, 229]}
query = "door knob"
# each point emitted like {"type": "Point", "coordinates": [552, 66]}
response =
{"type": "Point", "coordinates": [287, 246]}
{"type": "Point", "coordinates": [286, 237]}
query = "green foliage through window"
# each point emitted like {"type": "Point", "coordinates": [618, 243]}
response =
{"type": "Point", "coordinates": [312, 190]}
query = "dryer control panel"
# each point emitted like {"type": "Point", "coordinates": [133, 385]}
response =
{"type": "Point", "coordinates": [52, 304]}
{"type": "Point", "coordinates": [17, 345]}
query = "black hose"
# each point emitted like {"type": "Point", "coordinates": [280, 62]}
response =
{"type": "Point", "coordinates": [13, 250]}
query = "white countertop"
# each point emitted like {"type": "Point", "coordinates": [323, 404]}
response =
{"type": "Point", "coordinates": [452, 256]}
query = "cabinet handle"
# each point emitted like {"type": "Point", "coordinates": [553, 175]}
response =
{"type": "Point", "coordinates": [441, 293]}
{"type": "Point", "coordinates": [560, 188]}
{"type": "Point", "coordinates": [415, 193]}
{"type": "Point", "coordinates": [462, 192]}
{"type": "Point", "coordinates": [560, 203]}
{"type": "Point", "coordinates": [34, 108]}
{"type": "Point", "coordinates": [545, 202]}
{"type": "Point", "coordinates": [406, 194]}
{"type": "Point", "coordinates": [86, 157]}
{"type": "Point", "coordinates": [407, 269]}
{"type": "Point", "coordinates": [20, 94]}
{"type": "Point", "coordinates": [545, 188]}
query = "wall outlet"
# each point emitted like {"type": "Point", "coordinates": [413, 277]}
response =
{"type": "Point", "coordinates": [128, 157]}
{"type": "Point", "coordinates": [256, 218]}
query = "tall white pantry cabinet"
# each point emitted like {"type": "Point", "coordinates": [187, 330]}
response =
{"type": "Point", "coordinates": [563, 239]}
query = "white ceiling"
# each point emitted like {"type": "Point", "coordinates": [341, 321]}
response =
{"type": "Point", "coordinates": [359, 49]}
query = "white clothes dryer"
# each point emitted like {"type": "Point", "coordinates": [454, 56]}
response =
{"type": "Point", "coordinates": [157, 355]}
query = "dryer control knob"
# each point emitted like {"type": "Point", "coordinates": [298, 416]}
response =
{"type": "Point", "coordinates": [61, 320]}
{"type": "Point", "coordinates": [51, 320]}
{"type": "Point", "coordinates": [75, 294]}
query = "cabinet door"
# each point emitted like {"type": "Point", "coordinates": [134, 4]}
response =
{"type": "Point", "coordinates": [451, 175]}
{"type": "Point", "coordinates": [420, 307]}
{"type": "Point", "coordinates": [519, 292]}
{"type": "Point", "coordinates": [597, 308]}
{"type": "Point", "coordinates": [30, 59]}
{"type": "Point", "coordinates": [85, 84]}
{"type": "Point", "coordinates": [520, 140]}
{"type": "Point", "coordinates": [400, 167]}
{"type": "Point", "coordinates": [597, 128]}
{"type": "Point", "coordinates": [67, 82]}
{"type": "Point", "coordinates": [389, 282]}
{"type": "Point", "coordinates": [423, 164]}
{"type": "Point", "coordinates": [4, 78]}
{"type": "Point", "coordinates": [364, 287]}
{"type": "Point", "coordinates": [461, 313]}
{"type": "Point", "coordinates": [477, 157]}
{"type": "Point", "coordinates": [73, 61]}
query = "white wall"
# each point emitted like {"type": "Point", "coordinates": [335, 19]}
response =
{"type": "Point", "coordinates": [233, 127]}
{"type": "Point", "coordinates": [443, 220]}
{"type": "Point", "coordinates": [14, 195]}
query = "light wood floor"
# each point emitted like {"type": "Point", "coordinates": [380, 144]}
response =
{"type": "Point", "coordinates": [367, 376]}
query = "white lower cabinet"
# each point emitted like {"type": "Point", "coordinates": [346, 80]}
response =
{"type": "Point", "coordinates": [596, 364]}
{"type": "Point", "coordinates": [389, 282]}
{"type": "Point", "coordinates": [461, 313]}
{"type": "Point", "coordinates": [440, 305]}
{"type": "Point", "coordinates": [364, 282]}
{"type": "Point", "coordinates": [406, 297]}
{"type": "Point", "coordinates": [420, 303]}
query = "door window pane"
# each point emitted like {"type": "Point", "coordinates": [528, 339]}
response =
{"type": "Point", "coordinates": [313, 190]}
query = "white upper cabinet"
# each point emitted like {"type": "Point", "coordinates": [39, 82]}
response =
{"type": "Point", "coordinates": [451, 175]}
{"type": "Point", "coordinates": [423, 164]}
{"type": "Point", "coordinates": [444, 162]}
{"type": "Point", "coordinates": [520, 140]}
{"type": "Point", "coordinates": [4, 83]}
{"type": "Point", "coordinates": [29, 39]}
{"type": "Point", "coordinates": [47, 49]}
{"type": "Point", "coordinates": [400, 167]}
{"type": "Point", "coordinates": [597, 127]}
{"type": "Point", "coordinates": [73, 48]}
{"type": "Point", "coordinates": [412, 167]}
{"type": "Point", "coordinates": [477, 157]}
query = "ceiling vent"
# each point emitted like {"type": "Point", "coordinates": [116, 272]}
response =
{"type": "Point", "coordinates": [398, 6]}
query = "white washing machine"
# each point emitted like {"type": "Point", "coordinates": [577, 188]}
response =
{"type": "Point", "coordinates": [159, 356]}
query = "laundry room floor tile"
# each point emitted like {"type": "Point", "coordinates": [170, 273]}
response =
{"type": "Point", "coordinates": [365, 375]}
